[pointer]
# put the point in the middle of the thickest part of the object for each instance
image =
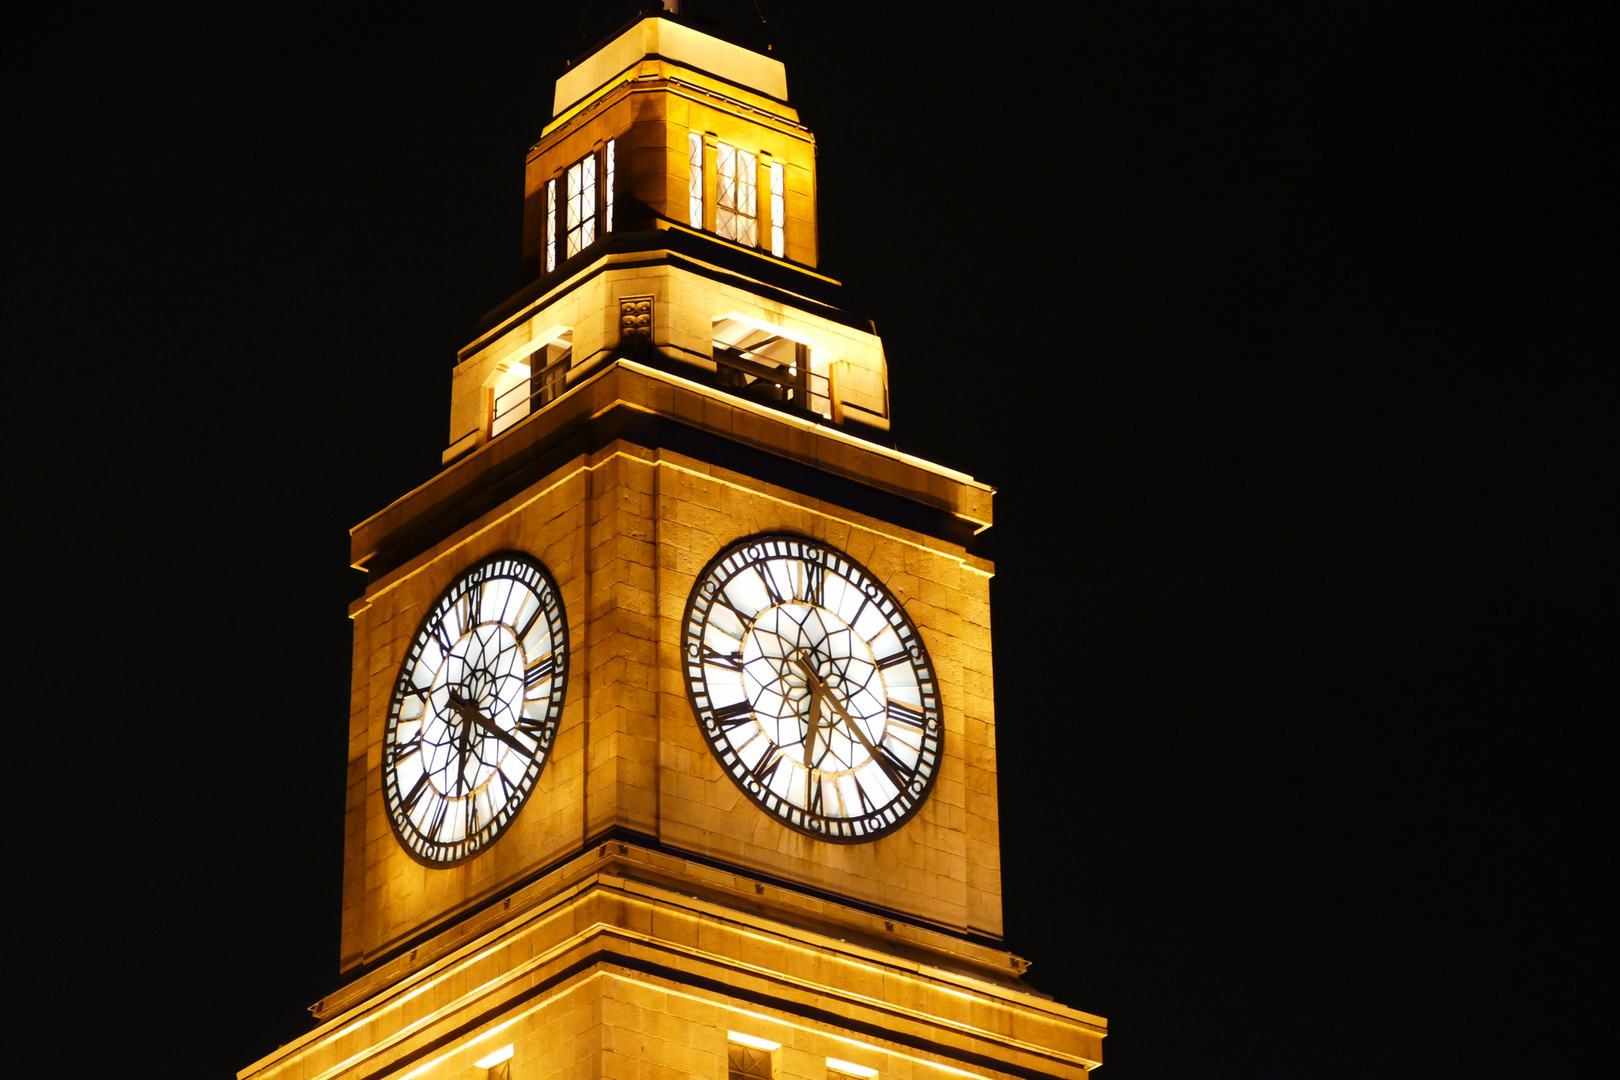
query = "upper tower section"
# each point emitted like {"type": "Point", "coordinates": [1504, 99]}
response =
{"type": "Point", "coordinates": [702, 139]}
{"type": "Point", "coordinates": [670, 217]}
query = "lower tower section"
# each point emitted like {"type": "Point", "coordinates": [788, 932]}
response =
{"type": "Point", "coordinates": [633, 964]}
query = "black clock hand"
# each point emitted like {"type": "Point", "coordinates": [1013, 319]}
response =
{"type": "Point", "coordinates": [815, 714]}
{"type": "Point", "coordinates": [819, 689]}
{"type": "Point", "coordinates": [463, 746]}
{"type": "Point", "coordinates": [469, 712]}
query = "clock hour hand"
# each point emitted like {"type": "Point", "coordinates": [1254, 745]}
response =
{"type": "Point", "coordinates": [469, 712]}
{"type": "Point", "coordinates": [818, 690]}
{"type": "Point", "coordinates": [813, 721]}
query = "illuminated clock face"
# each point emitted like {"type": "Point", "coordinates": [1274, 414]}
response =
{"type": "Point", "coordinates": [812, 687]}
{"type": "Point", "coordinates": [475, 709]}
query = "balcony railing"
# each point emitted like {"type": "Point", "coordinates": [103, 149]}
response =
{"type": "Point", "coordinates": [530, 395]}
{"type": "Point", "coordinates": [763, 379]}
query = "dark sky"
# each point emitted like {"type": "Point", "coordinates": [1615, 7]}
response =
{"type": "Point", "coordinates": [1286, 332]}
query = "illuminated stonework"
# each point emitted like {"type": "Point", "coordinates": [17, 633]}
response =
{"type": "Point", "coordinates": [667, 388]}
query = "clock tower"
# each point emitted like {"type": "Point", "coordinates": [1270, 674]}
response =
{"type": "Point", "coordinates": [672, 740]}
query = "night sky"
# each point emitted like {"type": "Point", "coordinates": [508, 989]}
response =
{"type": "Point", "coordinates": [1286, 333]}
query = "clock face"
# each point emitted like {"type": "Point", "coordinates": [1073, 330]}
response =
{"type": "Point", "coordinates": [475, 709]}
{"type": "Point", "coordinates": [812, 687]}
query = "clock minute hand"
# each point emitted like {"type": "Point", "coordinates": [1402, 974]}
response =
{"type": "Point", "coordinates": [468, 711]}
{"type": "Point", "coordinates": [819, 689]}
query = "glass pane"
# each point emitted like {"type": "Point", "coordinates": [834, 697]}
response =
{"type": "Point", "coordinates": [551, 225]}
{"type": "Point", "coordinates": [694, 189]}
{"type": "Point", "coordinates": [607, 225]}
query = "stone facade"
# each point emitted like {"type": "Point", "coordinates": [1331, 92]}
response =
{"type": "Point", "coordinates": [625, 530]}
{"type": "Point", "coordinates": [641, 919]}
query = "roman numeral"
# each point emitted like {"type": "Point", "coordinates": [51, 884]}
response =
{"type": "Point", "coordinates": [814, 793]}
{"type": "Point", "coordinates": [542, 668]}
{"type": "Point", "coordinates": [731, 661]}
{"type": "Point", "coordinates": [725, 601]}
{"type": "Point", "coordinates": [764, 573]}
{"type": "Point", "coordinates": [894, 658]}
{"type": "Point", "coordinates": [523, 634]}
{"type": "Point", "coordinates": [892, 766]}
{"type": "Point", "coordinates": [905, 715]}
{"type": "Point", "coordinates": [867, 807]}
{"type": "Point", "coordinates": [815, 584]}
{"type": "Point", "coordinates": [475, 601]}
{"type": "Point", "coordinates": [408, 803]}
{"type": "Point", "coordinates": [443, 635]}
{"type": "Point", "coordinates": [765, 770]}
{"type": "Point", "coordinates": [735, 715]}
{"type": "Point", "coordinates": [855, 619]}
{"type": "Point", "coordinates": [403, 750]}
{"type": "Point", "coordinates": [437, 821]}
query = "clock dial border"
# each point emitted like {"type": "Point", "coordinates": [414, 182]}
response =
{"type": "Point", "coordinates": [873, 825]}
{"type": "Point", "coordinates": [532, 574]}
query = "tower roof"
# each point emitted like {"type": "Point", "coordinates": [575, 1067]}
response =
{"type": "Point", "coordinates": [660, 36]}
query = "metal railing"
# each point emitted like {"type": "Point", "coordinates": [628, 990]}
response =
{"type": "Point", "coordinates": [529, 396]}
{"type": "Point", "coordinates": [763, 379]}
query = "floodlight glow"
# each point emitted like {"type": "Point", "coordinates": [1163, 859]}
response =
{"type": "Point", "coordinates": [489, 1061]}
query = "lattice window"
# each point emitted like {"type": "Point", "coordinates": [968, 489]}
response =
{"type": "Point", "coordinates": [581, 180]}
{"type": "Point", "coordinates": [553, 379]}
{"type": "Point", "coordinates": [737, 196]}
{"type": "Point", "coordinates": [747, 1063]}
{"type": "Point", "coordinates": [607, 216]}
{"type": "Point", "coordinates": [551, 225]}
{"type": "Point", "coordinates": [496, 1066]}
{"type": "Point", "coordinates": [694, 186]}
{"type": "Point", "coordinates": [778, 210]}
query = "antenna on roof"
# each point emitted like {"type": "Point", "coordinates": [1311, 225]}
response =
{"type": "Point", "coordinates": [579, 34]}
{"type": "Point", "coordinates": [758, 11]}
